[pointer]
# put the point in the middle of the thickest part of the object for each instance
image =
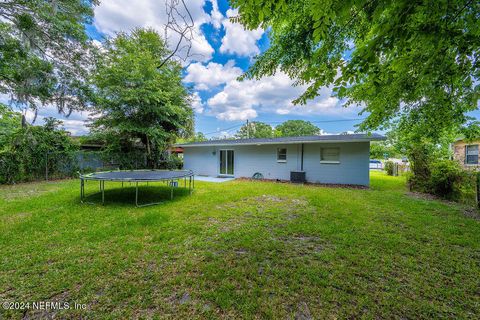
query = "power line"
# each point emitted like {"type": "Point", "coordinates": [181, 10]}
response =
{"type": "Point", "coordinates": [322, 121]}
{"type": "Point", "coordinates": [225, 129]}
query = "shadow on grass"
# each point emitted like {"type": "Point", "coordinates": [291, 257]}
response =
{"type": "Point", "coordinates": [116, 195]}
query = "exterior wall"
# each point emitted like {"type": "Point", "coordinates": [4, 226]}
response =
{"type": "Point", "coordinates": [201, 160]}
{"type": "Point", "coordinates": [263, 159]}
{"type": "Point", "coordinates": [459, 153]}
{"type": "Point", "coordinates": [352, 169]}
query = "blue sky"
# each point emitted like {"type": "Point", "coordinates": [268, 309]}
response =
{"type": "Point", "coordinates": [222, 51]}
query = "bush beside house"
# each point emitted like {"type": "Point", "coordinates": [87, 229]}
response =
{"type": "Point", "coordinates": [448, 180]}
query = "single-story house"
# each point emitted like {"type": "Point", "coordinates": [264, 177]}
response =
{"type": "Point", "coordinates": [466, 153]}
{"type": "Point", "coordinates": [330, 159]}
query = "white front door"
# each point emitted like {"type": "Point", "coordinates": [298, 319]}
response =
{"type": "Point", "coordinates": [226, 162]}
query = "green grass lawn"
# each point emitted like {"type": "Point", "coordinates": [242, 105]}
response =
{"type": "Point", "coordinates": [239, 249]}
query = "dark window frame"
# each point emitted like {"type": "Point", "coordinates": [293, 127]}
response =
{"type": "Point", "coordinates": [281, 156]}
{"type": "Point", "coordinates": [471, 155]}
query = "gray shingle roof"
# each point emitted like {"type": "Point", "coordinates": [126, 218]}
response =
{"type": "Point", "coordinates": [358, 137]}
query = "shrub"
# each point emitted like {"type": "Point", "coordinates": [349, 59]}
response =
{"type": "Point", "coordinates": [447, 179]}
{"type": "Point", "coordinates": [30, 151]}
{"type": "Point", "coordinates": [389, 167]}
{"type": "Point", "coordinates": [173, 162]}
{"type": "Point", "coordinates": [9, 167]}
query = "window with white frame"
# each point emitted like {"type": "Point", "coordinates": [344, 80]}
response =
{"type": "Point", "coordinates": [471, 154]}
{"type": "Point", "coordinates": [282, 155]}
{"type": "Point", "coordinates": [329, 155]}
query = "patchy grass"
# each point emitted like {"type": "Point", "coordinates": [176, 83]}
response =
{"type": "Point", "coordinates": [239, 249]}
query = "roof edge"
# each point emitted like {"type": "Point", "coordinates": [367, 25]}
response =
{"type": "Point", "coordinates": [238, 142]}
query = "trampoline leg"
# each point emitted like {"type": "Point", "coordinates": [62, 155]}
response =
{"type": "Point", "coordinates": [81, 190]}
{"type": "Point", "coordinates": [193, 177]}
{"type": "Point", "coordinates": [103, 192]}
{"type": "Point", "coordinates": [171, 189]}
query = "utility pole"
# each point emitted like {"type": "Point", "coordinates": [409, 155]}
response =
{"type": "Point", "coordinates": [248, 130]}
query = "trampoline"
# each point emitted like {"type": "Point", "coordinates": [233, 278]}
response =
{"type": "Point", "coordinates": [172, 177]}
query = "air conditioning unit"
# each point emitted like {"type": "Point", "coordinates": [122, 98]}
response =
{"type": "Point", "coordinates": [297, 176]}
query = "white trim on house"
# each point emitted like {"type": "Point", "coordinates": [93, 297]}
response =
{"type": "Point", "coordinates": [340, 138]}
{"type": "Point", "coordinates": [268, 143]}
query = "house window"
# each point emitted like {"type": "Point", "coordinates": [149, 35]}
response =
{"type": "Point", "coordinates": [471, 154]}
{"type": "Point", "coordinates": [281, 155]}
{"type": "Point", "coordinates": [330, 155]}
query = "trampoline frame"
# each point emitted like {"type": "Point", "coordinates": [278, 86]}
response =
{"type": "Point", "coordinates": [188, 174]}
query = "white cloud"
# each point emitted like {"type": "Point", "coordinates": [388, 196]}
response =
{"type": "Point", "coordinates": [246, 99]}
{"type": "Point", "coordinates": [225, 135]}
{"type": "Point", "coordinates": [113, 16]}
{"type": "Point", "coordinates": [197, 104]}
{"type": "Point", "coordinates": [237, 40]}
{"type": "Point", "coordinates": [216, 16]}
{"type": "Point", "coordinates": [75, 123]}
{"type": "Point", "coordinates": [206, 77]}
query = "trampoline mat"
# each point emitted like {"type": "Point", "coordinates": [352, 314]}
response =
{"type": "Point", "coordinates": [138, 175]}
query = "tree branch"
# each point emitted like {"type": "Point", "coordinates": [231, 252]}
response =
{"type": "Point", "coordinates": [182, 25]}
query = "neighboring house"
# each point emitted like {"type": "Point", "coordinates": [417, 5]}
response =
{"type": "Point", "coordinates": [466, 153]}
{"type": "Point", "coordinates": [176, 150]}
{"type": "Point", "coordinates": [333, 159]}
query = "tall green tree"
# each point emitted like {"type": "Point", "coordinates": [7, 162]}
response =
{"type": "Point", "coordinates": [414, 60]}
{"type": "Point", "coordinates": [44, 52]}
{"type": "Point", "coordinates": [296, 128]}
{"type": "Point", "coordinates": [255, 129]}
{"type": "Point", "coordinates": [383, 150]}
{"type": "Point", "coordinates": [138, 103]}
{"type": "Point", "coordinates": [10, 122]}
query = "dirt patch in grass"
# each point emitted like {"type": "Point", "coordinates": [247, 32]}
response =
{"type": "Point", "coordinates": [56, 305]}
{"type": "Point", "coordinates": [265, 202]}
{"type": "Point", "coordinates": [424, 196]}
{"type": "Point", "coordinates": [468, 211]}
{"type": "Point", "coordinates": [27, 191]}
{"type": "Point", "coordinates": [472, 213]}
{"type": "Point", "coordinates": [302, 245]}
{"type": "Point", "coordinates": [179, 299]}
{"type": "Point", "coordinates": [303, 312]}
{"type": "Point", "coordinates": [269, 208]}
{"type": "Point", "coordinates": [15, 218]}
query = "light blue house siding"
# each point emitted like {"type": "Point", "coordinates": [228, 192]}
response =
{"type": "Point", "coordinates": [352, 169]}
{"type": "Point", "coordinates": [353, 166]}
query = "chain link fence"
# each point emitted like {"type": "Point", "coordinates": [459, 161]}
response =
{"type": "Point", "coordinates": [62, 164]}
